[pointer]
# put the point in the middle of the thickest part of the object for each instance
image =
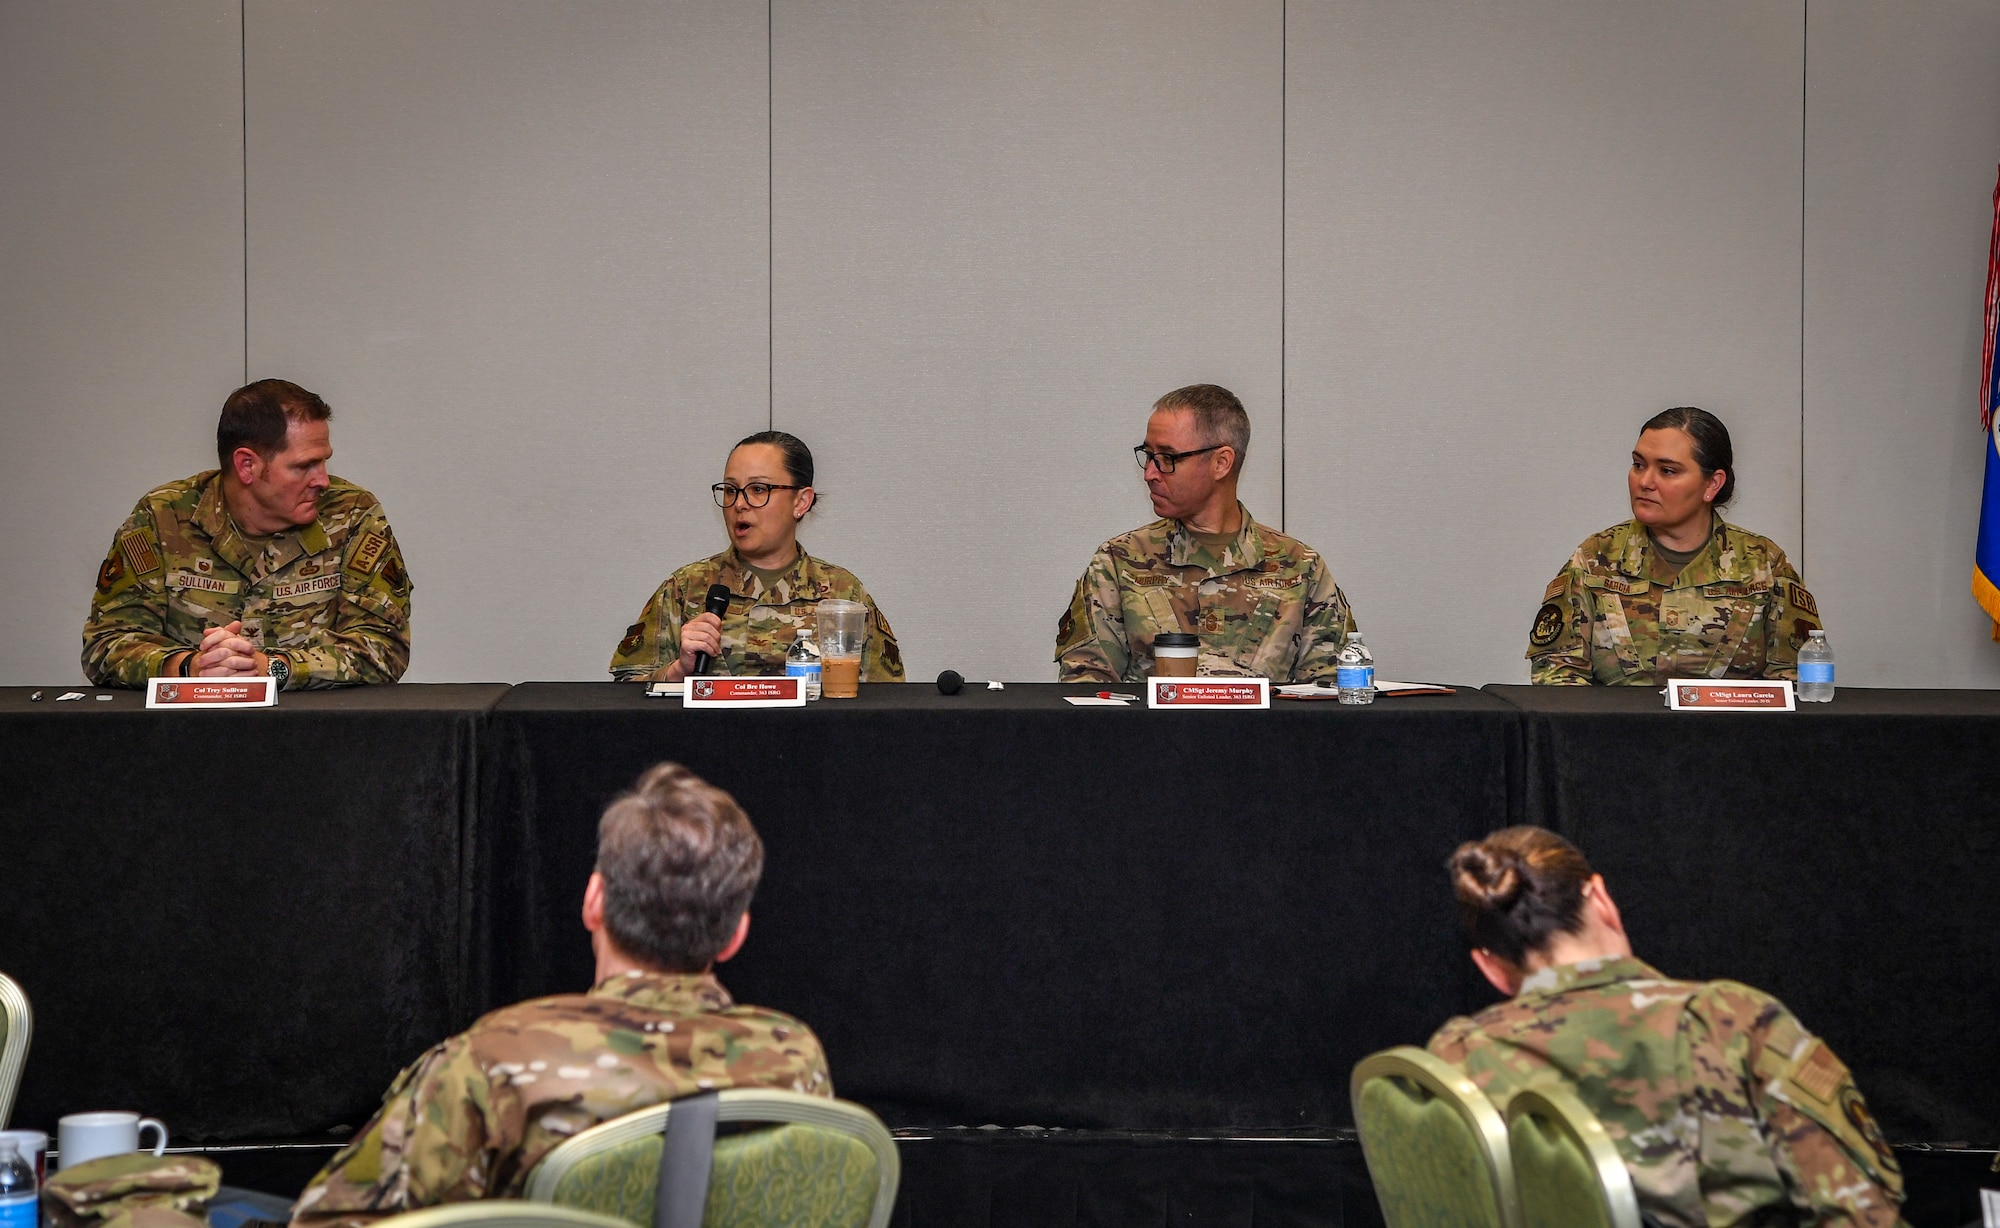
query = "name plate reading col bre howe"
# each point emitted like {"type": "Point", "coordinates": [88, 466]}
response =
{"type": "Point", "coordinates": [717, 691]}
{"type": "Point", "coordinates": [1208, 693]}
{"type": "Point", "coordinates": [192, 693]}
{"type": "Point", "coordinates": [1698, 695]}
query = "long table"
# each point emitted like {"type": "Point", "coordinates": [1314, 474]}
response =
{"type": "Point", "coordinates": [993, 907]}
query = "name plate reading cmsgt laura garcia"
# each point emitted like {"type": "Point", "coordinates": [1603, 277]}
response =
{"type": "Point", "coordinates": [1694, 695]}
{"type": "Point", "coordinates": [1208, 692]}
{"type": "Point", "coordinates": [192, 693]}
{"type": "Point", "coordinates": [720, 691]}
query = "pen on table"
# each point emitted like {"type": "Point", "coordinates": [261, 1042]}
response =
{"type": "Point", "coordinates": [1114, 695]}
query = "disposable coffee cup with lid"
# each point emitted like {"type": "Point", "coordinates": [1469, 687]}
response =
{"type": "Point", "coordinates": [1175, 654]}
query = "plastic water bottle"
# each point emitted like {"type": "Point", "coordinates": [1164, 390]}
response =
{"type": "Point", "coordinates": [803, 661]}
{"type": "Point", "coordinates": [1815, 669]}
{"type": "Point", "coordinates": [20, 1201]}
{"type": "Point", "coordinates": [1354, 672]}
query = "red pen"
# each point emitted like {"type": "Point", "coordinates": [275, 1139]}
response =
{"type": "Point", "coordinates": [1114, 695]}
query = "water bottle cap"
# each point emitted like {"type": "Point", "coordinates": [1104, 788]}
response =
{"type": "Point", "coordinates": [1816, 635]}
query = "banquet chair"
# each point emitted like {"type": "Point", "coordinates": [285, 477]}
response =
{"type": "Point", "coordinates": [501, 1213]}
{"type": "Point", "coordinates": [824, 1164]}
{"type": "Point", "coordinates": [1435, 1145]}
{"type": "Point", "coordinates": [17, 1026]}
{"type": "Point", "coordinates": [1567, 1171]}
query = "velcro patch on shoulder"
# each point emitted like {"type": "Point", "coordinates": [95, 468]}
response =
{"type": "Point", "coordinates": [1799, 597]}
{"type": "Point", "coordinates": [139, 553]}
{"type": "Point", "coordinates": [367, 554]}
{"type": "Point", "coordinates": [111, 572]}
{"type": "Point", "coordinates": [1554, 589]}
{"type": "Point", "coordinates": [1820, 1074]}
{"type": "Point", "coordinates": [635, 636]}
{"type": "Point", "coordinates": [1548, 625]}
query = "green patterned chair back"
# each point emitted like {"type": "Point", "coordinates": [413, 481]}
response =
{"type": "Point", "coordinates": [17, 1024]}
{"type": "Point", "coordinates": [1567, 1170]}
{"type": "Point", "coordinates": [500, 1213]}
{"type": "Point", "coordinates": [1436, 1147]}
{"type": "Point", "coordinates": [821, 1164]}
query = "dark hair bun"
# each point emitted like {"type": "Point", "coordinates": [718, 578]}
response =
{"type": "Point", "coordinates": [1487, 878]}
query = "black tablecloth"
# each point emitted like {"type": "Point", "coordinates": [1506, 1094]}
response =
{"type": "Point", "coordinates": [240, 922]}
{"type": "Point", "coordinates": [995, 907]}
{"type": "Point", "coordinates": [1841, 857]}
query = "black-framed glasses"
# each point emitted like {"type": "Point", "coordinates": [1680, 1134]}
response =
{"type": "Point", "coordinates": [1167, 460]}
{"type": "Point", "coordinates": [756, 494]}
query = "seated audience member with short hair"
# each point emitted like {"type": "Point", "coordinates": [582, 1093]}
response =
{"type": "Point", "coordinates": [677, 862]}
{"type": "Point", "coordinates": [1725, 1109]}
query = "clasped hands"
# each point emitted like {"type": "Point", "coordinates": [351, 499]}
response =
{"type": "Point", "coordinates": [225, 653]}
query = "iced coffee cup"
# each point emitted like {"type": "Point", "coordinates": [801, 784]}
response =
{"type": "Point", "coordinates": [841, 627]}
{"type": "Point", "coordinates": [1175, 654]}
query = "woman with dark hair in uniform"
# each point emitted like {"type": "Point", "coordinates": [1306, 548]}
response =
{"type": "Point", "coordinates": [1725, 1109]}
{"type": "Point", "coordinates": [774, 585]}
{"type": "Point", "coordinates": [1676, 591]}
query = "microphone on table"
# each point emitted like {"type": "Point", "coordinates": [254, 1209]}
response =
{"type": "Point", "coordinates": [951, 682]}
{"type": "Point", "coordinates": [718, 605]}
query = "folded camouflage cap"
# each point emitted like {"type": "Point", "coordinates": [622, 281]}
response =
{"type": "Point", "coordinates": [135, 1190]}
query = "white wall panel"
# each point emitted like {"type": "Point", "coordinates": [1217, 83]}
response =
{"type": "Point", "coordinates": [1514, 233]}
{"type": "Point", "coordinates": [522, 249]}
{"type": "Point", "coordinates": [121, 288]}
{"type": "Point", "coordinates": [1902, 136]}
{"type": "Point", "coordinates": [1002, 230]}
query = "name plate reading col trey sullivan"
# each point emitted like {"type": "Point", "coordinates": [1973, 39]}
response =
{"type": "Point", "coordinates": [211, 692]}
{"type": "Point", "coordinates": [726, 692]}
{"type": "Point", "coordinates": [1208, 692]}
{"type": "Point", "coordinates": [1695, 695]}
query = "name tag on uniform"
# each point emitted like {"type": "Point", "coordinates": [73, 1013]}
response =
{"type": "Point", "coordinates": [211, 692]}
{"type": "Point", "coordinates": [1694, 695]}
{"type": "Point", "coordinates": [723, 691]}
{"type": "Point", "coordinates": [1208, 692]}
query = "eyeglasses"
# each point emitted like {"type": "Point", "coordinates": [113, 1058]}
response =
{"type": "Point", "coordinates": [756, 494]}
{"type": "Point", "coordinates": [1167, 460]}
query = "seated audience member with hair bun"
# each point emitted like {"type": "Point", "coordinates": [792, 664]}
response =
{"type": "Point", "coordinates": [677, 863]}
{"type": "Point", "coordinates": [1674, 592]}
{"type": "Point", "coordinates": [1725, 1109]}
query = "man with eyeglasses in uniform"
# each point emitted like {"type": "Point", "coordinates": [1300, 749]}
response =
{"type": "Point", "coordinates": [1262, 603]}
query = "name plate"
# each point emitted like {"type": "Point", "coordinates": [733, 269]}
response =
{"type": "Point", "coordinates": [211, 692]}
{"type": "Point", "coordinates": [722, 691]}
{"type": "Point", "coordinates": [1692, 695]}
{"type": "Point", "coordinates": [1208, 692]}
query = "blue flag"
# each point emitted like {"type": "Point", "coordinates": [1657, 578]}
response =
{"type": "Point", "coordinates": [1986, 556]}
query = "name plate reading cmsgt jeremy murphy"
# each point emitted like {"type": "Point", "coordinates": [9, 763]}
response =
{"type": "Point", "coordinates": [720, 691]}
{"type": "Point", "coordinates": [211, 692]}
{"type": "Point", "coordinates": [1694, 695]}
{"type": "Point", "coordinates": [1208, 692]}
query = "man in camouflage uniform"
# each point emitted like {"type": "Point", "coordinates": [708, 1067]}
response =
{"type": "Point", "coordinates": [1262, 603]}
{"type": "Point", "coordinates": [1726, 1111]}
{"type": "Point", "coordinates": [677, 863]}
{"type": "Point", "coordinates": [1621, 613]}
{"type": "Point", "coordinates": [264, 566]}
{"type": "Point", "coordinates": [765, 614]}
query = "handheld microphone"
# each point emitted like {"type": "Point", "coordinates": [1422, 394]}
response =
{"type": "Point", "coordinates": [951, 682]}
{"type": "Point", "coordinates": [718, 605]}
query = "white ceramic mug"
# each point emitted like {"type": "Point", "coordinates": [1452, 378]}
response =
{"type": "Point", "coordinates": [87, 1136]}
{"type": "Point", "coordinates": [34, 1148]}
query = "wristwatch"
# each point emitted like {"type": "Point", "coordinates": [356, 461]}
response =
{"type": "Point", "coordinates": [281, 669]}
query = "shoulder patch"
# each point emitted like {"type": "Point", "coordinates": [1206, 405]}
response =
{"type": "Point", "coordinates": [1548, 625]}
{"type": "Point", "coordinates": [1554, 589]}
{"type": "Point", "coordinates": [362, 561]}
{"type": "Point", "coordinates": [398, 579]}
{"type": "Point", "coordinates": [1796, 593]}
{"type": "Point", "coordinates": [139, 553]}
{"type": "Point", "coordinates": [1820, 1075]}
{"type": "Point", "coordinates": [635, 635]}
{"type": "Point", "coordinates": [111, 572]}
{"type": "Point", "coordinates": [1066, 626]}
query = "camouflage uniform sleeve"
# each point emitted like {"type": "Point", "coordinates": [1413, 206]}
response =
{"type": "Point", "coordinates": [369, 640]}
{"type": "Point", "coordinates": [1753, 1057]}
{"type": "Point", "coordinates": [1559, 641]}
{"type": "Point", "coordinates": [1329, 620]}
{"type": "Point", "coordinates": [1790, 616]}
{"type": "Point", "coordinates": [435, 1140]}
{"type": "Point", "coordinates": [651, 642]}
{"type": "Point", "coordinates": [125, 638]}
{"type": "Point", "coordinates": [1090, 640]}
{"type": "Point", "coordinates": [885, 659]}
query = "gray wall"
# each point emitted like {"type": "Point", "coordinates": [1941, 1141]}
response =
{"type": "Point", "coordinates": [549, 261]}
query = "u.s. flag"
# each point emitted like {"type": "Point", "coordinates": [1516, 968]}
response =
{"type": "Point", "coordinates": [1986, 556]}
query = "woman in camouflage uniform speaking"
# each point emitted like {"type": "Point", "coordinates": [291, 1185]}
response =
{"type": "Point", "coordinates": [1725, 1109]}
{"type": "Point", "coordinates": [774, 585]}
{"type": "Point", "coordinates": [1674, 592]}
